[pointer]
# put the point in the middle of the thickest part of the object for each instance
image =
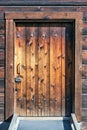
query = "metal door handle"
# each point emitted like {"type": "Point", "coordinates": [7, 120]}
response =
{"type": "Point", "coordinates": [18, 68]}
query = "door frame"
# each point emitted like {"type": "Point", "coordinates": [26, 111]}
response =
{"type": "Point", "coordinates": [11, 18]}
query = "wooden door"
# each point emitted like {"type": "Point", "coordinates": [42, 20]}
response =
{"type": "Point", "coordinates": [43, 69]}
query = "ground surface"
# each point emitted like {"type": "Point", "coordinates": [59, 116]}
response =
{"type": "Point", "coordinates": [44, 125]}
{"type": "Point", "coordinates": [4, 125]}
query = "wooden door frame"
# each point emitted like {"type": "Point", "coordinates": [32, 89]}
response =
{"type": "Point", "coordinates": [11, 18]}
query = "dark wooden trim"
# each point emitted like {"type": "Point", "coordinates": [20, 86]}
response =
{"type": "Point", "coordinates": [9, 90]}
{"type": "Point", "coordinates": [42, 15]}
{"type": "Point", "coordinates": [75, 16]}
{"type": "Point", "coordinates": [42, 3]}
{"type": "Point", "coordinates": [78, 69]}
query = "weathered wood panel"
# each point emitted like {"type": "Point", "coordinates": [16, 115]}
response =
{"type": "Point", "coordinates": [2, 27]}
{"type": "Point", "coordinates": [66, 15]}
{"type": "Point", "coordinates": [1, 113]}
{"type": "Point", "coordinates": [55, 69]}
{"type": "Point", "coordinates": [84, 57]}
{"type": "Point", "coordinates": [3, 9]}
{"type": "Point", "coordinates": [42, 8]}
{"type": "Point", "coordinates": [84, 86]}
{"type": "Point", "coordinates": [84, 70]}
{"type": "Point", "coordinates": [32, 72]}
{"type": "Point", "coordinates": [84, 99]}
{"type": "Point", "coordinates": [84, 114]}
{"type": "Point", "coordinates": [9, 91]}
{"type": "Point", "coordinates": [1, 99]}
{"type": "Point", "coordinates": [84, 45]}
{"type": "Point", "coordinates": [20, 70]}
{"type": "Point", "coordinates": [45, 80]}
{"type": "Point", "coordinates": [28, 71]}
{"type": "Point", "coordinates": [2, 58]}
{"type": "Point", "coordinates": [44, 2]}
{"type": "Point", "coordinates": [44, 74]}
{"type": "Point", "coordinates": [46, 69]}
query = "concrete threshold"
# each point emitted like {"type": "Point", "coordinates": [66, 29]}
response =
{"type": "Point", "coordinates": [42, 123]}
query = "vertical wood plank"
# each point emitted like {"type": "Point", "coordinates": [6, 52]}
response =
{"type": "Point", "coordinates": [9, 92]}
{"type": "Point", "coordinates": [32, 69]}
{"type": "Point", "coordinates": [44, 46]}
{"type": "Point", "coordinates": [23, 71]}
{"type": "Point", "coordinates": [46, 93]}
{"type": "Point", "coordinates": [20, 66]}
{"type": "Point", "coordinates": [58, 69]}
{"type": "Point", "coordinates": [33, 49]}
{"type": "Point", "coordinates": [40, 71]}
{"type": "Point", "coordinates": [63, 69]}
{"type": "Point", "coordinates": [78, 63]}
{"type": "Point", "coordinates": [16, 62]}
{"type": "Point", "coordinates": [28, 71]}
{"type": "Point", "coordinates": [52, 71]}
{"type": "Point", "coordinates": [55, 70]}
{"type": "Point", "coordinates": [36, 67]}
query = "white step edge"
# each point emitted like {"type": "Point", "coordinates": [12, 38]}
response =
{"type": "Point", "coordinates": [75, 125]}
{"type": "Point", "coordinates": [43, 118]}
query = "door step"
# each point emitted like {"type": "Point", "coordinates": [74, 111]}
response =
{"type": "Point", "coordinates": [44, 118]}
{"type": "Point", "coordinates": [43, 123]}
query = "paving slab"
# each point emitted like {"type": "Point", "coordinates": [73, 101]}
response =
{"type": "Point", "coordinates": [44, 125]}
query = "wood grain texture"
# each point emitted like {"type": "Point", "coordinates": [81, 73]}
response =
{"type": "Point", "coordinates": [2, 41]}
{"type": "Point", "coordinates": [84, 45]}
{"type": "Point", "coordinates": [58, 67]}
{"type": "Point", "coordinates": [2, 75]}
{"type": "Point", "coordinates": [2, 27]}
{"type": "Point", "coordinates": [38, 46]}
{"type": "Point", "coordinates": [17, 96]}
{"type": "Point", "coordinates": [44, 70]}
{"type": "Point", "coordinates": [60, 15]}
{"type": "Point", "coordinates": [84, 100]}
{"type": "Point", "coordinates": [84, 115]}
{"type": "Point", "coordinates": [40, 71]}
{"type": "Point", "coordinates": [84, 70]}
{"type": "Point", "coordinates": [42, 15]}
{"type": "Point", "coordinates": [1, 99]}
{"type": "Point", "coordinates": [84, 56]}
{"type": "Point", "coordinates": [31, 62]}
{"type": "Point", "coordinates": [33, 69]}
{"type": "Point", "coordinates": [28, 70]}
{"type": "Point", "coordinates": [9, 101]}
{"type": "Point", "coordinates": [20, 64]}
{"type": "Point", "coordinates": [44, 2]}
{"type": "Point", "coordinates": [46, 64]}
{"type": "Point", "coordinates": [63, 35]}
{"type": "Point", "coordinates": [55, 70]}
{"type": "Point", "coordinates": [78, 76]}
{"type": "Point", "coordinates": [2, 61]}
{"type": "Point", "coordinates": [1, 113]}
{"type": "Point", "coordinates": [37, 8]}
{"type": "Point", "coordinates": [84, 86]}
